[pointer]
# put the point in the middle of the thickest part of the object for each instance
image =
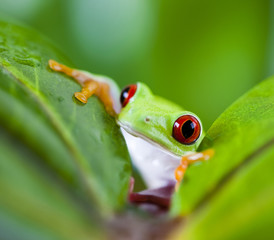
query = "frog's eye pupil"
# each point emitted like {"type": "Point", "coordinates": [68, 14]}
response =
{"type": "Point", "coordinates": [186, 129]}
{"type": "Point", "coordinates": [124, 94]}
{"type": "Point", "coordinates": [127, 93]}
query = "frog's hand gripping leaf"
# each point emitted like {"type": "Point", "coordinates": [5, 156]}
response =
{"type": "Point", "coordinates": [103, 87]}
{"type": "Point", "coordinates": [190, 159]}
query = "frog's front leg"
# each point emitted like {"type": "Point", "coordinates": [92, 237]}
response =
{"type": "Point", "coordinates": [89, 86]}
{"type": "Point", "coordinates": [189, 159]}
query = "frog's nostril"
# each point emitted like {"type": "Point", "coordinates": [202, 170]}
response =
{"type": "Point", "coordinates": [147, 119]}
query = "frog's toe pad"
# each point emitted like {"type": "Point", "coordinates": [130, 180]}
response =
{"type": "Point", "coordinates": [54, 65]}
{"type": "Point", "coordinates": [81, 97]}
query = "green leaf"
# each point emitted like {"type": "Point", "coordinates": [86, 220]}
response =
{"type": "Point", "coordinates": [231, 195]}
{"type": "Point", "coordinates": [81, 144]}
{"type": "Point", "coordinates": [34, 203]}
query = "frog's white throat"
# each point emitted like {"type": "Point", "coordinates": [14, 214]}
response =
{"type": "Point", "coordinates": [155, 163]}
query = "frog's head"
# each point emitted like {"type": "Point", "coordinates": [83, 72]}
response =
{"type": "Point", "coordinates": [159, 121]}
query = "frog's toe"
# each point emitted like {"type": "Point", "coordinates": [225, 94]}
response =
{"type": "Point", "coordinates": [54, 65]}
{"type": "Point", "coordinates": [81, 97]}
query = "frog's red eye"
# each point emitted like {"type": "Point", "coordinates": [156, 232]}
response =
{"type": "Point", "coordinates": [186, 129]}
{"type": "Point", "coordinates": [127, 93]}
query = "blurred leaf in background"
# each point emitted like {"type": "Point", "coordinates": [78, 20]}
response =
{"type": "Point", "coordinates": [201, 54]}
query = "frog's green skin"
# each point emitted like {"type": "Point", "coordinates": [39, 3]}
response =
{"type": "Point", "coordinates": [152, 118]}
{"type": "Point", "coordinates": [147, 124]}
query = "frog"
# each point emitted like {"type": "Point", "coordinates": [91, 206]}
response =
{"type": "Point", "coordinates": [161, 136]}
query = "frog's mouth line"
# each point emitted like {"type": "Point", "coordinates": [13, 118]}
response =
{"type": "Point", "coordinates": [140, 135]}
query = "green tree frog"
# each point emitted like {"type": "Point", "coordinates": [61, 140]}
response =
{"type": "Point", "coordinates": [161, 136]}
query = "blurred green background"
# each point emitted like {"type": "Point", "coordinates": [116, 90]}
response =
{"type": "Point", "coordinates": [200, 54]}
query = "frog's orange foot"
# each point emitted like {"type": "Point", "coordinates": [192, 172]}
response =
{"type": "Point", "coordinates": [55, 65]}
{"type": "Point", "coordinates": [180, 172]}
{"type": "Point", "coordinates": [89, 85]}
{"type": "Point", "coordinates": [189, 159]}
{"type": "Point", "coordinates": [81, 97]}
